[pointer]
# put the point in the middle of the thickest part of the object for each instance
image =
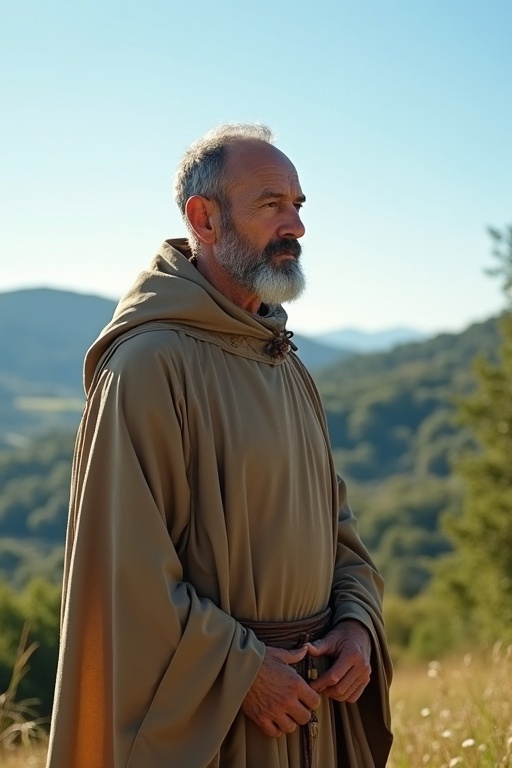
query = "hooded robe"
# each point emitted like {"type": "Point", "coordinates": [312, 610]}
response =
{"type": "Point", "coordinates": [203, 493]}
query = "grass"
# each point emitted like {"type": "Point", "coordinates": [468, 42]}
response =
{"type": "Point", "coordinates": [25, 757]}
{"type": "Point", "coordinates": [20, 727]}
{"type": "Point", "coordinates": [455, 713]}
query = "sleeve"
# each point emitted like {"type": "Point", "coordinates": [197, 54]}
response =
{"type": "Point", "coordinates": [357, 593]}
{"type": "Point", "coordinates": [150, 673]}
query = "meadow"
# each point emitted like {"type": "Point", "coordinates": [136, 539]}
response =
{"type": "Point", "coordinates": [453, 713]}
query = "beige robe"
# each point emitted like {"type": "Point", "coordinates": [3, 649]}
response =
{"type": "Point", "coordinates": [203, 491]}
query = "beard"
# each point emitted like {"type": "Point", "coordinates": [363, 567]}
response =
{"type": "Point", "coordinates": [256, 270]}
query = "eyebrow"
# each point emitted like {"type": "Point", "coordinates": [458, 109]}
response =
{"type": "Point", "coordinates": [269, 193]}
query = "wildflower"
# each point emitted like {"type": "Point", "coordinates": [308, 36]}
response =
{"type": "Point", "coordinates": [454, 761]}
{"type": "Point", "coordinates": [468, 743]}
{"type": "Point", "coordinates": [446, 734]}
{"type": "Point", "coordinates": [425, 712]}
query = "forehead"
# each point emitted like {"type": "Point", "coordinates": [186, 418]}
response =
{"type": "Point", "coordinates": [254, 165]}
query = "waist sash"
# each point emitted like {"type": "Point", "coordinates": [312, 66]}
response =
{"type": "Point", "coordinates": [290, 634]}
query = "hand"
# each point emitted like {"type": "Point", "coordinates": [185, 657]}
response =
{"type": "Point", "coordinates": [350, 645]}
{"type": "Point", "coordinates": [279, 699]}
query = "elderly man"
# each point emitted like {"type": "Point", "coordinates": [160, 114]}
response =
{"type": "Point", "coordinates": [219, 609]}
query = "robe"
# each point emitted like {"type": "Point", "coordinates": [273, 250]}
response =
{"type": "Point", "coordinates": [203, 493]}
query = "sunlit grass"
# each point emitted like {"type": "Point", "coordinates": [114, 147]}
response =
{"type": "Point", "coordinates": [20, 726]}
{"type": "Point", "coordinates": [24, 757]}
{"type": "Point", "coordinates": [454, 713]}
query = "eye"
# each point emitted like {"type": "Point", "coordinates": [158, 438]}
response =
{"type": "Point", "coordinates": [298, 206]}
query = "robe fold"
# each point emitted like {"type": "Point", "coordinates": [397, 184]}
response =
{"type": "Point", "coordinates": [203, 493]}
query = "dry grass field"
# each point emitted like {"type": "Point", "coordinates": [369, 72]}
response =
{"type": "Point", "coordinates": [454, 713]}
{"type": "Point", "coordinates": [449, 714]}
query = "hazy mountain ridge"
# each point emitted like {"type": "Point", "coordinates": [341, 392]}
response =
{"type": "Point", "coordinates": [371, 341]}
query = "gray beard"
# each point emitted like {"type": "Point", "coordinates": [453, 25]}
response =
{"type": "Point", "coordinates": [256, 271]}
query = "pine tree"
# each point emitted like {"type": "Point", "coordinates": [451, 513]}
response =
{"type": "Point", "coordinates": [479, 574]}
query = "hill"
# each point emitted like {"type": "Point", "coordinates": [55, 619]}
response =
{"type": "Point", "coordinates": [45, 335]}
{"type": "Point", "coordinates": [392, 412]}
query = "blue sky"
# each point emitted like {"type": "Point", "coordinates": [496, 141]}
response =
{"type": "Point", "coordinates": [398, 116]}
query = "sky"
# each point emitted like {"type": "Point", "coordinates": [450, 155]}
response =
{"type": "Point", "coordinates": [396, 114]}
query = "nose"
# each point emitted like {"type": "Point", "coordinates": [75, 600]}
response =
{"type": "Point", "coordinates": [291, 226]}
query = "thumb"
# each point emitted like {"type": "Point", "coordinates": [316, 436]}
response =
{"type": "Point", "coordinates": [292, 656]}
{"type": "Point", "coordinates": [318, 648]}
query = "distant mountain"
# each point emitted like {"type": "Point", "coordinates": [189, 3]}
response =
{"type": "Point", "coordinates": [370, 341]}
{"type": "Point", "coordinates": [44, 335]}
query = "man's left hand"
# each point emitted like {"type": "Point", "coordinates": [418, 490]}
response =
{"type": "Point", "coordinates": [350, 646]}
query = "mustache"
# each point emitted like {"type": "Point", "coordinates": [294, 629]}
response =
{"type": "Point", "coordinates": [283, 245]}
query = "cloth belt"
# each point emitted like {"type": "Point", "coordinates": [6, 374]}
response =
{"type": "Point", "coordinates": [293, 634]}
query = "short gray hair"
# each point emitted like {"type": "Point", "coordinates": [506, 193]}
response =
{"type": "Point", "coordinates": [201, 170]}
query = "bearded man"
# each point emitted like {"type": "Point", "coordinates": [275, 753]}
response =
{"type": "Point", "coordinates": [219, 608]}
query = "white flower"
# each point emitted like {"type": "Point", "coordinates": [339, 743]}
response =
{"type": "Point", "coordinates": [446, 734]}
{"type": "Point", "coordinates": [425, 712]}
{"type": "Point", "coordinates": [468, 743]}
{"type": "Point", "coordinates": [454, 761]}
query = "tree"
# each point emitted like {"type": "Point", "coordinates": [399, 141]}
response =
{"type": "Point", "coordinates": [479, 574]}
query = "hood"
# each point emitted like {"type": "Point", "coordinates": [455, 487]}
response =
{"type": "Point", "coordinates": [173, 292]}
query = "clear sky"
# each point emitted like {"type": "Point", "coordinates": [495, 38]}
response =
{"type": "Point", "coordinates": [397, 114]}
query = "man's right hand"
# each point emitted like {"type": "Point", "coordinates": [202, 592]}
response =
{"type": "Point", "coordinates": [279, 699]}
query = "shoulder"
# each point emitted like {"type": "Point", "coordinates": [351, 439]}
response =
{"type": "Point", "coordinates": [144, 363]}
{"type": "Point", "coordinates": [147, 348]}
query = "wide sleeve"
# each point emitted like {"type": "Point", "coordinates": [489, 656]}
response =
{"type": "Point", "coordinates": [357, 593]}
{"type": "Point", "coordinates": [150, 673]}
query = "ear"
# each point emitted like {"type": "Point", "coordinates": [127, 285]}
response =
{"type": "Point", "coordinates": [201, 214]}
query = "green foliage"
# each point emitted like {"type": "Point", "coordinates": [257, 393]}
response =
{"type": "Point", "coordinates": [400, 522]}
{"type": "Point", "coordinates": [19, 721]}
{"type": "Point", "coordinates": [393, 412]}
{"type": "Point", "coordinates": [422, 628]}
{"type": "Point", "coordinates": [479, 573]}
{"type": "Point", "coordinates": [37, 607]}
{"type": "Point", "coordinates": [34, 483]}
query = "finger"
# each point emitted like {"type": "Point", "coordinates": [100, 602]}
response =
{"type": "Point", "coordinates": [328, 679]}
{"type": "Point", "coordinates": [309, 698]}
{"type": "Point", "coordinates": [286, 723]}
{"type": "Point", "coordinates": [332, 677]}
{"type": "Point", "coordinates": [269, 728]}
{"type": "Point", "coordinates": [351, 695]}
{"type": "Point", "coordinates": [300, 714]}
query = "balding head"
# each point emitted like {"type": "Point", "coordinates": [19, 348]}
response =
{"type": "Point", "coordinates": [204, 168]}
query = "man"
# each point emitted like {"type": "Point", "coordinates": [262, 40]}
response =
{"type": "Point", "coordinates": [219, 609]}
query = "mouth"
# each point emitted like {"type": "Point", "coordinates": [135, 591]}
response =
{"type": "Point", "coordinates": [284, 250]}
